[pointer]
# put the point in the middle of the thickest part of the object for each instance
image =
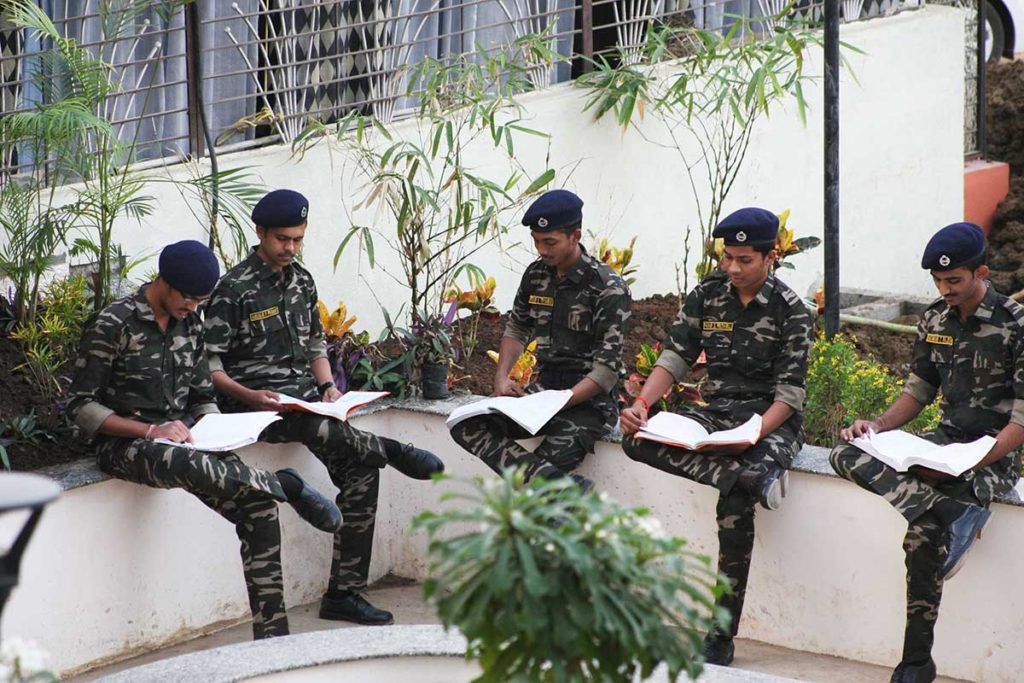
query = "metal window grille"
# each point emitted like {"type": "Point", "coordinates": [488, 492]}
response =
{"type": "Point", "coordinates": [263, 69]}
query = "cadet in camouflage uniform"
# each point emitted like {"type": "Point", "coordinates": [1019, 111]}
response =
{"type": "Point", "coordinates": [577, 308]}
{"type": "Point", "coordinates": [264, 336]}
{"type": "Point", "coordinates": [756, 335]}
{"type": "Point", "coordinates": [969, 345]}
{"type": "Point", "coordinates": [140, 375]}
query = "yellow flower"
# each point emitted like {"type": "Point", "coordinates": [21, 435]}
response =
{"type": "Point", "coordinates": [719, 248]}
{"type": "Point", "coordinates": [523, 368]}
{"type": "Point", "coordinates": [617, 259]}
{"type": "Point", "coordinates": [475, 299]}
{"type": "Point", "coordinates": [336, 324]}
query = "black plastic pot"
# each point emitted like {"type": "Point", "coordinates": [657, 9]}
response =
{"type": "Point", "coordinates": [434, 380]}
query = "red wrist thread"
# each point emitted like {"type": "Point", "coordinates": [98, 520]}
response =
{"type": "Point", "coordinates": [641, 399]}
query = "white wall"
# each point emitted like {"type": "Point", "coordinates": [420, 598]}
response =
{"type": "Point", "coordinates": [116, 567]}
{"type": "Point", "coordinates": [901, 176]}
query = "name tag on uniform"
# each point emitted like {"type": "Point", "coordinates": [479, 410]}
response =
{"type": "Point", "coordinates": [542, 300]}
{"type": "Point", "coordinates": [717, 326]}
{"type": "Point", "coordinates": [264, 314]}
{"type": "Point", "coordinates": [939, 339]}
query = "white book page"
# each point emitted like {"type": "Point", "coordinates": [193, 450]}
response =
{"type": "Point", "coordinates": [677, 430]}
{"type": "Point", "coordinates": [339, 409]}
{"type": "Point", "coordinates": [531, 412]}
{"type": "Point", "coordinates": [748, 432]}
{"type": "Point", "coordinates": [669, 428]}
{"type": "Point", "coordinates": [901, 450]}
{"type": "Point", "coordinates": [224, 432]}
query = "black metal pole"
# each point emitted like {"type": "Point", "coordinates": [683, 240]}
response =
{"type": "Point", "coordinates": [980, 104]}
{"type": "Point", "coordinates": [831, 168]}
{"type": "Point", "coordinates": [200, 133]}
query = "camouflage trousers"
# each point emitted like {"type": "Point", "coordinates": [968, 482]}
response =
{"type": "Point", "coordinates": [353, 459]}
{"type": "Point", "coordinates": [926, 542]}
{"type": "Point", "coordinates": [735, 510]}
{"type": "Point", "coordinates": [568, 437]}
{"type": "Point", "coordinates": [245, 496]}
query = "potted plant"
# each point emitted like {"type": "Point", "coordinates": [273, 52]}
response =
{"type": "Point", "coordinates": [434, 351]}
{"type": "Point", "coordinates": [550, 584]}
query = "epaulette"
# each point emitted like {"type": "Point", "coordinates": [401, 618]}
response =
{"type": "Point", "coordinates": [787, 293]}
{"type": "Point", "coordinates": [607, 275]}
{"type": "Point", "coordinates": [1016, 310]}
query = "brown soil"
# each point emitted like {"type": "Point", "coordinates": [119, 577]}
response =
{"type": "Point", "coordinates": [891, 349]}
{"type": "Point", "coordinates": [18, 397]}
{"type": "Point", "coordinates": [1005, 142]}
{"type": "Point", "coordinates": [1004, 117]}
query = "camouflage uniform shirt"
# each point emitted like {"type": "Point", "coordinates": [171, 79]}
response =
{"type": "Point", "coordinates": [263, 328]}
{"type": "Point", "coordinates": [978, 364]}
{"type": "Point", "coordinates": [755, 354]}
{"type": "Point", "coordinates": [128, 366]}
{"type": "Point", "coordinates": [578, 321]}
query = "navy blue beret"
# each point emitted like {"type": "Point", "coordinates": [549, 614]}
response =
{"type": "Point", "coordinates": [190, 267]}
{"type": "Point", "coordinates": [281, 209]}
{"type": "Point", "coordinates": [953, 246]}
{"type": "Point", "coordinates": [748, 227]}
{"type": "Point", "coordinates": [553, 210]}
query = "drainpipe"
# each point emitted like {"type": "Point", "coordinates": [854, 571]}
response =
{"type": "Point", "coordinates": [197, 107]}
{"type": "Point", "coordinates": [831, 168]}
{"type": "Point", "coordinates": [980, 89]}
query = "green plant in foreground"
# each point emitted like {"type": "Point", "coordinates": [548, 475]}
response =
{"type": "Point", "coordinates": [842, 387]}
{"type": "Point", "coordinates": [550, 584]}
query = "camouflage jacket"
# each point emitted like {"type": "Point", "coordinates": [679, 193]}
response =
{"type": "Point", "coordinates": [263, 328]}
{"type": "Point", "coordinates": [978, 364]}
{"type": "Point", "coordinates": [579, 322]}
{"type": "Point", "coordinates": [755, 355]}
{"type": "Point", "coordinates": [128, 366]}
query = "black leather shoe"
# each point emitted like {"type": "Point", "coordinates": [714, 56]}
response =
{"type": "Point", "coordinates": [718, 649]}
{"type": "Point", "coordinates": [962, 533]}
{"type": "Point", "coordinates": [914, 673]}
{"type": "Point", "coordinates": [769, 488]}
{"type": "Point", "coordinates": [416, 463]}
{"type": "Point", "coordinates": [315, 507]}
{"type": "Point", "coordinates": [354, 608]}
{"type": "Point", "coordinates": [585, 484]}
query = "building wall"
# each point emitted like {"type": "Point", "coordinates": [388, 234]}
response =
{"type": "Point", "coordinates": [901, 177]}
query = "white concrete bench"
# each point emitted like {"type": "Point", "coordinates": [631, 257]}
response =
{"type": "Point", "coordinates": [117, 568]}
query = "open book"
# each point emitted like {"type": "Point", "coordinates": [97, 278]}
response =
{"type": "Point", "coordinates": [531, 412]}
{"type": "Point", "coordinates": [339, 410]}
{"type": "Point", "coordinates": [226, 432]}
{"type": "Point", "coordinates": [683, 432]}
{"type": "Point", "coordinates": [901, 451]}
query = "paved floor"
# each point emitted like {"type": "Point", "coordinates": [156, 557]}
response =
{"type": "Point", "coordinates": [406, 601]}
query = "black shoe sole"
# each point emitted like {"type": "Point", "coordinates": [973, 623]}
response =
{"type": "Point", "coordinates": [333, 616]}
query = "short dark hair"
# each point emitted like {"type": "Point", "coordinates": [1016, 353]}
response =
{"type": "Point", "coordinates": [763, 248]}
{"type": "Point", "coordinates": [570, 229]}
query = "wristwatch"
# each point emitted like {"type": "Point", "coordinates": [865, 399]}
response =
{"type": "Point", "coordinates": [325, 386]}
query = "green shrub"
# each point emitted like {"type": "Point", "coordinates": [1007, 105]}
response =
{"type": "Point", "coordinates": [843, 387]}
{"type": "Point", "coordinates": [50, 340]}
{"type": "Point", "coordinates": [550, 585]}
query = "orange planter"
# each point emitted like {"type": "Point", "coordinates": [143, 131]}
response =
{"type": "Point", "coordinates": [986, 183]}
